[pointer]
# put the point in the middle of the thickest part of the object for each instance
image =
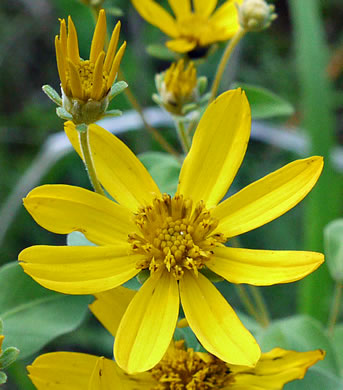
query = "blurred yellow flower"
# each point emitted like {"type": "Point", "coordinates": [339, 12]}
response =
{"type": "Point", "coordinates": [196, 25]}
{"type": "Point", "coordinates": [87, 82]}
{"type": "Point", "coordinates": [180, 369]}
{"type": "Point", "coordinates": [172, 239]}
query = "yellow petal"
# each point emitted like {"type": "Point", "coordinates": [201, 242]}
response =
{"type": "Point", "coordinates": [61, 64]}
{"type": "Point", "coordinates": [80, 269]}
{"type": "Point", "coordinates": [120, 171]}
{"type": "Point", "coordinates": [97, 77]}
{"type": "Point", "coordinates": [98, 37]}
{"type": "Point", "coordinates": [263, 267]}
{"type": "Point", "coordinates": [63, 38]}
{"type": "Point", "coordinates": [214, 322]}
{"type": "Point", "coordinates": [73, 136]}
{"type": "Point", "coordinates": [118, 300]}
{"type": "Point", "coordinates": [204, 7]}
{"type": "Point", "coordinates": [181, 8]}
{"type": "Point", "coordinates": [75, 82]}
{"type": "Point", "coordinates": [62, 371]}
{"type": "Point", "coordinates": [181, 45]}
{"type": "Point", "coordinates": [218, 148]}
{"type": "Point", "coordinates": [275, 369]}
{"type": "Point", "coordinates": [157, 16]}
{"type": "Point", "coordinates": [72, 43]}
{"type": "Point", "coordinates": [112, 48]}
{"type": "Point", "coordinates": [268, 198]}
{"type": "Point", "coordinates": [226, 18]}
{"type": "Point", "coordinates": [116, 65]}
{"type": "Point", "coordinates": [63, 209]}
{"type": "Point", "coordinates": [148, 324]}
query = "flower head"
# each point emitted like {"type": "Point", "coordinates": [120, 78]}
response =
{"type": "Point", "coordinates": [180, 369]}
{"type": "Point", "coordinates": [196, 24]}
{"type": "Point", "coordinates": [172, 238]}
{"type": "Point", "coordinates": [177, 86]}
{"type": "Point", "coordinates": [86, 84]}
{"type": "Point", "coordinates": [256, 15]}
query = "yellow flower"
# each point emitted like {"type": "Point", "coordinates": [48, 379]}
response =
{"type": "Point", "coordinates": [177, 86]}
{"type": "Point", "coordinates": [172, 238]}
{"type": "Point", "coordinates": [194, 27]}
{"type": "Point", "coordinates": [86, 84]}
{"type": "Point", "coordinates": [179, 369]}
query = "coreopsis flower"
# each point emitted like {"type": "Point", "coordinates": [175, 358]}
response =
{"type": "Point", "coordinates": [172, 238]}
{"type": "Point", "coordinates": [177, 87]}
{"type": "Point", "coordinates": [86, 84]}
{"type": "Point", "coordinates": [180, 369]}
{"type": "Point", "coordinates": [197, 24]}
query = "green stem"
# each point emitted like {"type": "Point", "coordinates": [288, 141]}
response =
{"type": "Point", "coordinates": [88, 161]}
{"type": "Point", "coordinates": [225, 58]}
{"type": "Point", "coordinates": [336, 303]}
{"type": "Point", "coordinates": [261, 305]}
{"type": "Point", "coordinates": [246, 301]}
{"type": "Point", "coordinates": [318, 112]}
{"type": "Point", "coordinates": [183, 137]}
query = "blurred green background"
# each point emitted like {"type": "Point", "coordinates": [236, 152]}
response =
{"type": "Point", "coordinates": [271, 59]}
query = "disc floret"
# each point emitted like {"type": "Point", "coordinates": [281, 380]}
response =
{"type": "Point", "coordinates": [175, 235]}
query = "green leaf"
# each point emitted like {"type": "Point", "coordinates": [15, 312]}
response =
{"type": "Point", "coordinates": [3, 378]}
{"type": "Point", "coordinates": [316, 379]}
{"type": "Point", "coordinates": [117, 88]}
{"type": "Point", "coordinates": [163, 168]}
{"type": "Point", "coordinates": [299, 333]}
{"type": "Point", "coordinates": [333, 246]}
{"type": "Point", "coordinates": [52, 94]}
{"type": "Point", "coordinates": [338, 345]}
{"type": "Point", "coordinates": [78, 239]}
{"type": "Point", "coordinates": [265, 104]}
{"type": "Point", "coordinates": [189, 337]}
{"type": "Point", "coordinates": [160, 51]}
{"type": "Point", "coordinates": [33, 315]}
{"type": "Point", "coordinates": [9, 356]}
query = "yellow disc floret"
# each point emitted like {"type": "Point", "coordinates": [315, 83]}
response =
{"type": "Point", "coordinates": [175, 235]}
{"type": "Point", "coordinates": [182, 369]}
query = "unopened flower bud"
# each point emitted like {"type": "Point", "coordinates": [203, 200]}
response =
{"type": "Point", "coordinates": [256, 15]}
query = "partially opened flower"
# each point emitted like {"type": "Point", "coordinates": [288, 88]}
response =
{"type": "Point", "coordinates": [86, 84]}
{"type": "Point", "coordinates": [172, 238]}
{"type": "Point", "coordinates": [180, 369]}
{"type": "Point", "coordinates": [197, 24]}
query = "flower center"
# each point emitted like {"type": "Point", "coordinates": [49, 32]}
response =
{"type": "Point", "coordinates": [86, 75]}
{"type": "Point", "coordinates": [174, 235]}
{"type": "Point", "coordinates": [182, 369]}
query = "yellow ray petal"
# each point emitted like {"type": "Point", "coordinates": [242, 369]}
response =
{"type": "Point", "coordinates": [118, 300]}
{"type": "Point", "coordinates": [226, 17]}
{"type": "Point", "coordinates": [204, 7]}
{"type": "Point", "coordinates": [62, 371]}
{"type": "Point", "coordinates": [157, 16]}
{"type": "Point", "coordinates": [263, 268]}
{"type": "Point", "coordinates": [63, 209]}
{"type": "Point", "coordinates": [181, 8]}
{"type": "Point", "coordinates": [98, 37]}
{"type": "Point", "coordinates": [97, 77]}
{"type": "Point", "coordinates": [218, 148]}
{"type": "Point", "coordinates": [75, 82]}
{"type": "Point", "coordinates": [215, 323]}
{"type": "Point", "coordinates": [275, 369]}
{"type": "Point", "coordinates": [181, 45]}
{"type": "Point", "coordinates": [80, 269]}
{"type": "Point", "coordinates": [116, 65]}
{"type": "Point", "coordinates": [148, 324]}
{"type": "Point", "coordinates": [120, 171]}
{"type": "Point", "coordinates": [72, 43]}
{"type": "Point", "coordinates": [268, 198]}
{"type": "Point", "coordinates": [61, 64]}
{"type": "Point", "coordinates": [112, 48]}
{"type": "Point", "coordinates": [63, 38]}
{"type": "Point", "coordinates": [73, 136]}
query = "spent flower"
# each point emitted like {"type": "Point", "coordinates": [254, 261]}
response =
{"type": "Point", "coordinates": [173, 239]}
{"type": "Point", "coordinates": [256, 15]}
{"type": "Point", "coordinates": [86, 84]}
{"type": "Point", "coordinates": [197, 24]}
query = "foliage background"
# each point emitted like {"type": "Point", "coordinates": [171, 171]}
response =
{"type": "Point", "coordinates": [27, 118]}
